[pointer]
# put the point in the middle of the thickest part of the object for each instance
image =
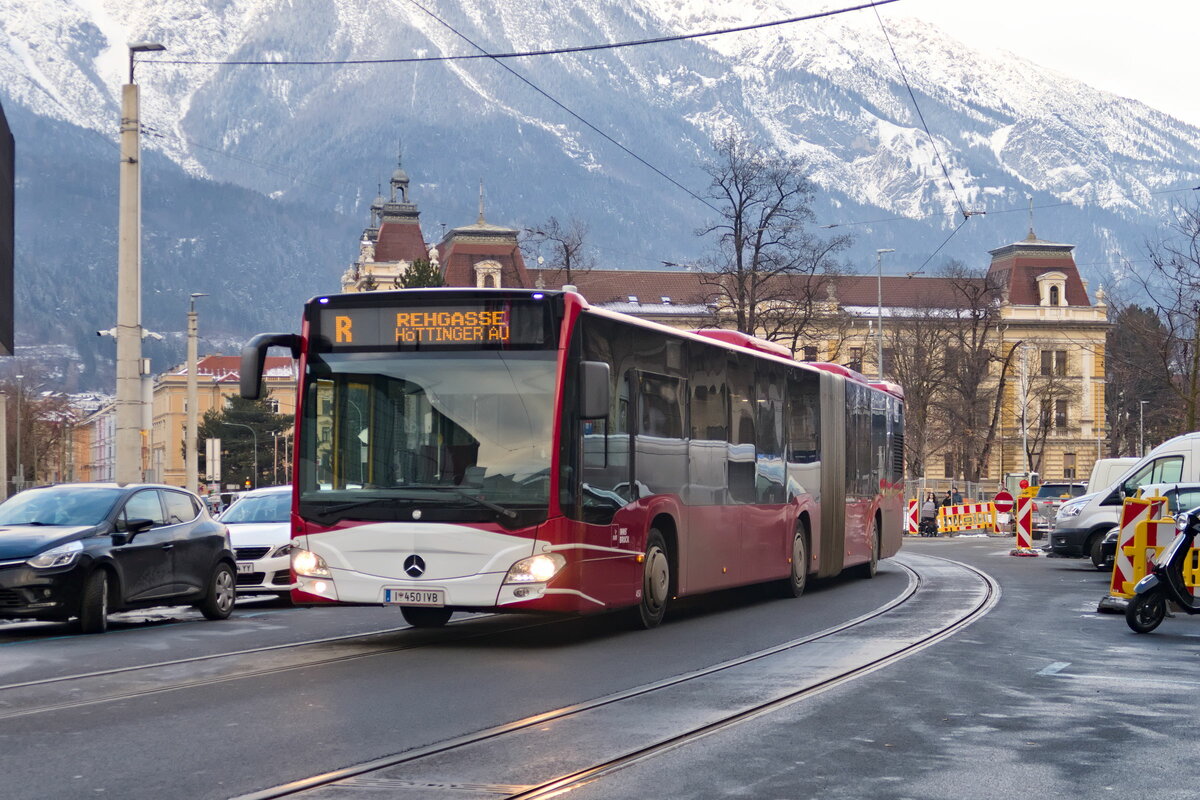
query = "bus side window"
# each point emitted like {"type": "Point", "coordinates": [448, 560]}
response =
{"type": "Point", "coordinates": [742, 454]}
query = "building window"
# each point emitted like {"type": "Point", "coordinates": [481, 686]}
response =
{"type": "Point", "coordinates": [1054, 362]}
{"type": "Point", "coordinates": [949, 461]}
{"type": "Point", "coordinates": [889, 359]}
{"type": "Point", "coordinates": [1060, 414]}
{"type": "Point", "coordinates": [855, 359]}
{"type": "Point", "coordinates": [1054, 293]}
{"type": "Point", "coordinates": [273, 404]}
{"type": "Point", "coordinates": [810, 353]}
{"type": "Point", "coordinates": [1069, 466]}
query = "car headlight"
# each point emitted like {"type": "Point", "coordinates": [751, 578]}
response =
{"type": "Point", "coordinates": [60, 556]}
{"type": "Point", "coordinates": [282, 550]}
{"type": "Point", "coordinates": [535, 569]}
{"type": "Point", "coordinates": [1070, 510]}
{"type": "Point", "coordinates": [309, 564]}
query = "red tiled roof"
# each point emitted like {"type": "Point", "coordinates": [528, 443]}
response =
{"type": "Point", "coordinates": [1021, 263]}
{"type": "Point", "coordinates": [400, 241]}
{"type": "Point", "coordinates": [460, 258]}
{"type": "Point", "coordinates": [613, 286]}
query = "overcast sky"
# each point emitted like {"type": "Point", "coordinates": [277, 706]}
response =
{"type": "Point", "coordinates": [1145, 49]}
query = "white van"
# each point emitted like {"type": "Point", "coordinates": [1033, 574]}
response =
{"type": "Point", "coordinates": [1082, 523]}
{"type": "Point", "coordinates": [1106, 471]}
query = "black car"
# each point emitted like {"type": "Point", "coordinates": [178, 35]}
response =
{"type": "Point", "coordinates": [86, 549]}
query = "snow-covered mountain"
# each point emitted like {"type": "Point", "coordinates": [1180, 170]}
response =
{"type": "Point", "coordinates": [292, 153]}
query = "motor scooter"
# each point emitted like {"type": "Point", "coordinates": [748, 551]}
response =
{"type": "Point", "coordinates": [1148, 606]}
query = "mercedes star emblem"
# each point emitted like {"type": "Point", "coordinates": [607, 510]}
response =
{"type": "Point", "coordinates": [414, 566]}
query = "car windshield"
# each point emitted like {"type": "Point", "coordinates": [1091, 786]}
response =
{"type": "Point", "coordinates": [59, 505]}
{"type": "Point", "coordinates": [460, 429]}
{"type": "Point", "coordinates": [263, 508]}
{"type": "Point", "coordinates": [1053, 490]}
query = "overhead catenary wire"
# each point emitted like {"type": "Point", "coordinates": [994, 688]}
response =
{"type": "Point", "coordinates": [941, 161]}
{"type": "Point", "coordinates": [525, 53]}
{"type": "Point", "coordinates": [570, 111]}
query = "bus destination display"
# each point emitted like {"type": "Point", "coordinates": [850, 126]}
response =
{"type": "Point", "coordinates": [457, 326]}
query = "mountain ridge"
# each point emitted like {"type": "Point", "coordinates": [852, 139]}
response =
{"type": "Point", "coordinates": [310, 141]}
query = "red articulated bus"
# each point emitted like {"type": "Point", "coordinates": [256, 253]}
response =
{"type": "Point", "coordinates": [514, 450]}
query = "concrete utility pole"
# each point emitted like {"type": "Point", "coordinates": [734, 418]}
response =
{"type": "Point", "coordinates": [191, 457]}
{"type": "Point", "coordinates": [3, 447]}
{"type": "Point", "coordinates": [128, 454]}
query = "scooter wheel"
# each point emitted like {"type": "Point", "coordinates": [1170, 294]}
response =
{"type": "Point", "coordinates": [1146, 611]}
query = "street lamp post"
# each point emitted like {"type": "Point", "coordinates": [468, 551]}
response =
{"type": "Point", "coordinates": [191, 456]}
{"type": "Point", "coordinates": [255, 435]}
{"type": "Point", "coordinates": [879, 307]}
{"type": "Point", "coordinates": [1141, 429]}
{"type": "Point", "coordinates": [129, 317]}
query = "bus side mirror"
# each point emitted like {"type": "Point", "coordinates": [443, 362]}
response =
{"type": "Point", "coordinates": [254, 358]}
{"type": "Point", "coordinates": [596, 389]}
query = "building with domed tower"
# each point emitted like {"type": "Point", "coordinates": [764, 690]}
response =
{"type": "Point", "coordinates": [1035, 401]}
{"type": "Point", "coordinates": [391, 241]}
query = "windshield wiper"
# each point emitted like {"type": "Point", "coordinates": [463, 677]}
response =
{"type": "Point", "coordinates": [337, 508]}
{"type": "Point", "coordinates": [499, 509]}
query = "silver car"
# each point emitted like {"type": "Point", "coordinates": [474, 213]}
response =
{"type": "Point", "coordinates": [259, 523]}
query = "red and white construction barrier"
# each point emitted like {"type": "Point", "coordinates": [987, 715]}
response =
{"type": "Point", "coordinates": [967, 517]}
{"type": "Point", "coordinates": [1023, 524]}
{"type": "Point", "coordinates": [910, 519]}
{"type": "Point", "coordinates": [1141, 536]}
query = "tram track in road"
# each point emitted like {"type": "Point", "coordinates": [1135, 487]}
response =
{"type": "Point", "coordinates": [673, 712]}
{"type": "Point", "coordinates": [135, 674]}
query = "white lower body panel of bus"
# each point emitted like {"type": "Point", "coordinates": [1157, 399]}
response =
{"type": "Point", "coordinates": [410, 563]}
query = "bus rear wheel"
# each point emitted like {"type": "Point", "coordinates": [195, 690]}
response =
{"type": "Point", "coordinates": [871, 567]}
{"type": "Point", "coordinates": [425, 617]}
{"type": "Point", "coordinates": [656, 581]}
{"type": "Point", "coordinates": [794, 585]}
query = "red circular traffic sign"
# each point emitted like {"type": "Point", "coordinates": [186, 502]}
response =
{"type": "Point", "coordinates": [1003, 501]}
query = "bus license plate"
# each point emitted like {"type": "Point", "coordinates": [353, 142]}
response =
{"type": "Point", "coordinates": [415, 597]}
{"type": "Point", "coordinates": [245, 567]}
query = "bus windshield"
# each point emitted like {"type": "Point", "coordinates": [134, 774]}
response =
{"type": "Point", "coordinates": [468, 433]}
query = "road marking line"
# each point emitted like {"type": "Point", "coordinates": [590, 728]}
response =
{"type": "Point", "coordinates": [1055, 668]}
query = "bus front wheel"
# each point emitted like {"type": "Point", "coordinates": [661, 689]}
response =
{"type": "Point", "coordinates": [420, 617]}
{"type": "Point", "coordinates": [656, 581]}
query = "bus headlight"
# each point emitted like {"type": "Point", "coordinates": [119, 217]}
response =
{"type": "Point", "coordinates": [309, 564]}
{"type": "Point", "coordinates": [535, 569]}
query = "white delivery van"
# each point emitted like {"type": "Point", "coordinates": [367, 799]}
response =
{"type": "Point", "coordinates": [1082, 523]}
{"type": "Point", "coordinates": [1106, 471]}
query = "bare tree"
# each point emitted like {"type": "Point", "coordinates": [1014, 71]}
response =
{"type": "Point", "coordinates": [568, 248]}
{"type": "Point", "coordinates": [916, 342]}
{"type": "Point", "coordinates": [1167, 345]}
{"type": "Point", "coordinates": [1042, 406]}
{"type": "Point", "coordinates": [764, 255]}
{"type": "Point", "coordinates": [971, 400]}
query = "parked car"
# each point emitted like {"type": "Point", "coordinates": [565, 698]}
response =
{"type": "Point", "coordinates": [1046, 501]}
{"type": "Point", "coordinates": [1181, 497]}
{"type": "Point", "coordinates": [84, 550]}
{"type": "Point", "coordinates": [1083, 523]}
{"type": "Point", "coordinates": [260, 529]}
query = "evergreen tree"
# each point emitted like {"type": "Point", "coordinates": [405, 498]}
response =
{"type": "Point", "coordinates": [421, 273]}
{"type": "Point", "coordinates": [245, 428]}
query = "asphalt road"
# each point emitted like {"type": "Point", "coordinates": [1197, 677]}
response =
{"type": "Point", "coordinates": [1041, 696]}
